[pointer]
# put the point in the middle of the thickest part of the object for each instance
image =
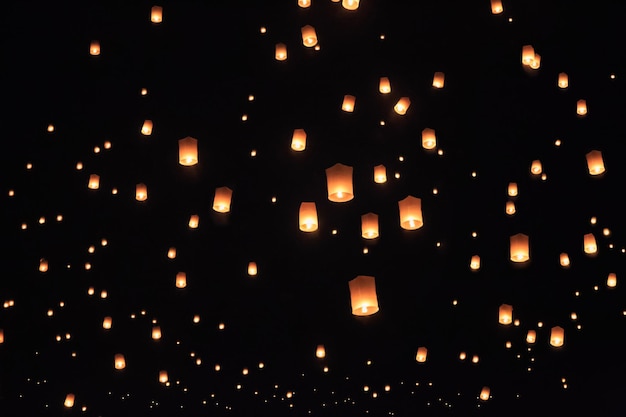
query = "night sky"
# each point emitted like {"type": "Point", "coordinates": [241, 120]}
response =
{"type": "Point", "coordinates": [239, 345]}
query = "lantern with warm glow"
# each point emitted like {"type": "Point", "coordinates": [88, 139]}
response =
{"type": "Point", "coordinates": [563, 80]}
{"type": "Point", "coordinates": [181, 280]}
{"type": "Point", "coordinates": [369, 226]}
{"type": "Point", "coordinates": [510, 208]}
{"type": "Point", "coordinates": [519, 248]}
{"type": "Point", "coordinates": [564, 260]}
{"type": "Point", "coordinates": [156, 333]}
{"type": "Point", "coordinates": [156, 14]}
{"type": "Point", "coordinates": [194, 220]}
{"type": "Point", "coordinates": [528, 54]}
{"type": "Point", "coordinates": [429, 140]}
{"type": "Point", "coordinates": [141, 192]}
{"type": "Point", "coordinates": [320, 352]}
{"type": "Point", "coordinates": [384, 86]}
{"type": "Point", "coordinates": [308, 217]}
{"type": "Point", "coordinates": [252, 269]}
{"type": "Point", "coordinates": [484, 393]}
{"type": "Point", "coordinates": [531, 337]}
{"type": "Point", "coordinates": [411, 213]}
{"type": "Point", "coordinates": [43, 265]}
{"type": "Point", "coordinates": [69, 400]}
{"type": "Point", "coordinates": [496, 7]}
{"type": "Point", "coordinates": [589, 243]}
{"type": "Point", "coordinates": [171, 253]}
{"type": "Point", "coordinates": [402, 105]}
{"type": "Point", "coordinates": [557, 336]}
{"type": "Point", "coordinates": [1, 336]}
{"type": "Point", "coordinates": [348, 103]}
{"type": "Point", "coordinates": [512, 190]}
{"type": "Point", "coordinates": [421, 354]}
{"type": "Point", "coordinates": [107, 323]}
{"type": "Point", "coordinates": [309, 37]}
{"type": "Point", "coordinates": [146, 128]}
{"type": "Point", "coordinates": [475, 263]}
{"type": "Point", "coordinates": [94, 48]}
{"type": "Point", "coordinates": [221, 201]}
{"type": "Point", "coordinates": [611, 280]}
{"type": "Point", "coordinates": [188, 151]}
{"type": "Point", "coordinates": [339, 183]}
{"type": "Point", "coordinates": [438, 79]}
{"type": "Point", "coordinates": [363, 295]}
{"type": "Point", "coordinates": [505, 314]}
{"type": "Point", "coordinates": [298, 140]}
{"type": "Point", "coordinates": [304, 3]}
{"type": "Point", "coordinates": [380, 174]}
{"type": "Point", "coordinates": [120, 361]}
{"type": "Point", "coordinates": [350, 4]}
{"type": "Point", "coordinates": [536, 62]}
{"type": "Point", "coordinates": [595, 163]}
{"type": "Point", "coordinates": [163, 377]}
{"type": "Point", "coordinates": [280, 52]}
{"type": "Point", "coordinates": [94, 182]}
{"type": "Point", "coordinates": [581, 107]}
{"type": "Point", "coordinates": [535, 167]}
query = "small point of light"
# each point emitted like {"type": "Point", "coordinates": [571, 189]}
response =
{"type": "Point", "coordinates": [557, 142]}
{"type": "Point", "coordinates": [250, 97]}
{"type": "Point", "coordinates": [244, 117]}
{"type": "Point", "coordinates": [263, 29]}
{"type": "Point", "coordinates": [253, 153]}
{"type": "Point", "coordinates": [474, 174]}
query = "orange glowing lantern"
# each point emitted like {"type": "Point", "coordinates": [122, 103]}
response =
{"type": "Point", "coordinates": [484, 393]}
{"type": "Point", "coordinates": [94, 182]}
{"type": "Point", "coordinates": [320, 352]}
{"type": "Point", "coordinates": [252, 269]}
{"type": "Point", "coordinates": [512, 190]}
{"type": "Point", "coordinates": [535, 167]}
{"type": "Point", "coordinates": [402, 105]}
{"type": "Point", "coordinates": [384, 86]}
{"type": "Point", "coordinates": [564, 260]}
{"type": "Point", "coordinates": [557, 336]}
{"type": "Point", "coordinates": [475, 263]}
{"type": "Point", "coordinates": [595, 163]}
{"type": "Point", "coordinates": [528, 54]}
{"type": "Point", "coordinates": [120, 361]}
{"type": "Point", "coordinates": [380, 174]}
{"type": "Point", "coordinates": [519, 248]}
{"type": "Point", "coordinates": [581, 107]}
{"type": "Point", "coordinates": [171, 253]}
{"type": "Point", "coordinates": [163, 377]}
{"type": "Point", "coordinates": [505, 314]}
{"type": "Point", "coordinates": [563, 81]}
{"type": "Point", "coordinates": [156, 333]}
{"type": "Point", "coordinates": [309, 37]}
{"type": "Point", "coordinates": [188, 151]}
{"type": "Point", "coordinates": [429, 140]}
{"type": "Point", "coordinates": [589, 243]}
{"type": "Point", "coordinates": [69, 400]}
{"type": "Point", "coordinates": [611, 280]}
{"type": "Point", "coordinates": [280, 52]}
{"type": "Point", "coordinates": [411, 213]}
{"type": "Point", "coordinates": [363, 295]}
{"type": "Point", "coordinates": [348, 103]}
{"type": "Point", "coordinates": [304, 3]}
{"type": "Point", "coordinates": [141, 192]}
{"type": "Point", "coordinates": [339, 183]}
{"type": "Point", "coordinates": [156, 14]}
{"type": "Point", "coordinates": [531, 337]}
{"type": "Point", "coordinates": [496, 7]}
{"type": "Point", "coordinates": [1, 336]}
{"type": "Point", "coordinates": [421, 354]}
{"type": "Point", "coordinates": [221, 201]}
{"type": "Point", "coordinates": [350, 4]}
{"type": "Point", "coordinates": [107, 323]}
{"type": "Point", "coordinates": [536, 62]}
{"type": "Point", "coordinates": [438, 79]}
{"type": "Point", "coordinates": [308, 217]}
{"type": "Point", "coordinates": [369, 226]}
{"type": "Point", "coordinates": [146, 128]}
{"type": "Point", "coordinates": [94, 48]}
{"type": "Point", "coordinates": [298, 140]}
{"type": "Point", "coordinates": [43, 265]}
{"type": "Point", "coordinates": [510, 208]}
{"type": "Point", "coordinates": [194, 221]}
{"type": "Point", "coordinates": [181, 280]}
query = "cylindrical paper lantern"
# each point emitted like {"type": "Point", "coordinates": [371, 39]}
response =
{"type": "Point", "coordinates": [309, 37]}
{"type": "Point", "coordinates": [531, 336]}
{"type": "Point", "coordinates": [581, 107]}
{"type": "Point", "coordinates": [484, 393]}
{"type": "Point", "coordinates": [120, 361]}
{"type": "Point", "coordinates": [510, 208]}
{"type": "Point", "coordinates": [194, 220]}
{"type": "Point", "coordinates": [141, 192]}
{"type": "Point", "coordinates": [519, 248]}
{"type": "Point", "coordinates": [535, 167]}
{"type": "Point", "coordinates": [298, 140]}
{"type": "Point", "coordinates": [611, 280]}
{"type": "Point", "coordinates": [308, 217]}
{"type": "Point", "coordinates": [505, 314]}
{"type": "Point", "coordinates": [320, 352]}
{"type": "Point", "coordinates": [156, 333]}
{"type": "Point", "coordinates": [369, 226]}
{"type": "Point", "coordinates": [146, 128]}
{"type": "Point", "coordinates": [512, 190]}
{"type": "Point", "coordinates": [43, 265]}
{"type": "Point", "coordinates": [411, 213]}
{"type": "Point", "coordinates": [348, 103]}
{"type": "Point", "coordinates": [171, 253]}
{"type": "Point", "coordinates": [252, 269]}
{"type": "Point", "coordinates": [163, 377]}
{"type": "Point", "coordinates": [421, 354]}
{"type": "Point", "coordinates": [429, 140]}
{"type": "Point", "coordinates": [564, 259]}
{"type": "Point", "coordinates": [528, 54]}
{"type": "Point", "coordinates": [363, 295]}
{"type": "Point", "coordinates": [107, 323]}
{"type": "Point", "coordinates": [281, 52]}
{"type": "Point", "coordinates": [475, 263]}
{"type": "Point", "coordinates": [221, 201]}
{"type": "Point", "coordinates": [563, 80]}
{"type": "Point", "coordinates": [94, 182]}
{"type": "Point", "coordinates": [156, 14]}
{"type": "Point", "coordinates": [94, 48]}
{"type": "Point", "coordinates": [557, 336]}
{"type": "Point", "coordinates": [402, 105]}
{"type": "Point", "coordinates": [181, 280]}
{"type": "Point", "coordinates": [304, 3]}
{"type": "Point", "coordinates": [589, 243]}
{"type": "Point", "coordinates": [69, 400]}
{"type": "Point", "coordinates": [496, 7]}
{"type": "Point", "coordinates": [595, 163]}
{"type": "Point", "coordinates": [438, 79]}
{"type": "Point", "coordinates": [350, 4]}
{"type": "Point", "coordinates": [188, 151]}
{"type": "Point", "coordinates": [384, 86]}
{"type": "Point", "coordinates": [380, 174]}
{"type": "Point", "coordinates": [339, 183]}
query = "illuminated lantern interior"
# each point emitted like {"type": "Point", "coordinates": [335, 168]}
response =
{"type": "Point", "coordinates": [298, 140]}
{"type": "Point", "coordinates": [557, 336]}
{"type": "Point", "coordinates": [519, 248]}
{"type": "Point", "coordinates": [119, 361]}
{"type": "Point", "coordinates": [380, 174]}
{"type": "Point", "coordinates": [563, 80]}
{"type": "Point", "coordinates": [384, 86]}
{"type": "Point", "coordinates": [421, 354]}
{"type": "Point", "coordinates": [280, 52]}
{"type": "Point", "coordinates": [402, 105]}
{"type": "Point", "coordinates": [188, 151]}
{"type": "Point", "coordinates": [308, 217]}
{"type": "Point", "coordinates": [309, 37]}
{"type": "Point", "coordinates": [429, 140]}
{"type": "Point", "coordinates": [589, 244]}
{"type": "Point", "coordinates": [363, 296]}
{"type": "Point", "coordinates": [411, 213]}
{"type": "Point", "coordinates": [438, 79]}
{"type": "Point", "coordinates": [221, 201]}
{"type": "Point", "coordinates": [505, 314]}
{"type": "Point", "coordinates": [348, 103]}
{"type": "Point", "coordinates": [94, 48]}
{"type": "Point", "coordinates": [339, 183]}
{"type": "Point", "coordinates": [369, 226]}
{"type": "Point", "coordinates": [156, 14]}
{"type": "Point", "coordinates": [595, 163]}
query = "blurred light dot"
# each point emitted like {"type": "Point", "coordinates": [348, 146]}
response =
{"type": "Point", "coordinates": [59, 217]}
{"type": "Point", "coordinates": [606, 231]}
{"type": "Point", "coordinates": [250, 97]}
{"type": "Point", "coordinates": [107, 145]}
{"type": "Point", "coordinates": [244, 117]}
{"type": "Point", "coordinates": [366, 250]}
{"type": "Point", "coordinates": [593, 220]}
{"type": "Point", "coordinates": [253, 153]}
{"type": "Point", "coordinates": [144, 91]}
{"type": "Point", "coordinates": [474, 174]}
{"type": "Point", "coordinates": [557, 142]}
{"type": "Point", "coordinates": [96, 149]}
{"type": "Point", "coordinates": [79, 166]}
{"type": "Point", "coordinates": [11, 193]}
{"type": "Point", "coordinates": [397, 175]}
{"type": "Point", "coordinates": [263, 29]}
{"type": "Point", "coordinates": [29, 166]}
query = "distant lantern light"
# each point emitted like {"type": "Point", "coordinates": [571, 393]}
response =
{"type": "Point", "coordinates": [510, 208]}
{"type": "Point", "coordinates": [369, 226]}
{"type": "Point", "coordinates": [171, 253]}
{"type": "Point", "coordinates": [475, 263]}
{"type": "Point", "coordinates": [43, 265]}
{"type": "Point", "coordinates": [163, 377]}
{"type": "Point", "coordinates": [298, 140]}
{"type": "Point", "coordinates": [222, 199]}
{"type": "Point", "coordinates": [429, 140]}
{"type": "Point", "coordinates": [156, 14]}
{"type": "Point", "coordinates": [141, 192]}
{"type": "Point", "coordinates": [156, 333]}
{"type": "Point", "coordinates": [384, 86]}
{"type": "Point", "coordinates": [107, 323]}
{"type": "Point", "coordinates": [519, 248]}
{"type": "Point", "coordinates": [350, 4]}
{"type": "Point", "coordinates": [595, 163]}
{"type": "Point", "coordinates": [304, 3]}
{"type": "Point", "coordinates": [531, 337]}
{"type": "Point", "coordinates": [402, 105]}
{"type": "Point", "coordinates": [280, 52]}
{"type": "Point", "coordinates": [536, 62]}
{"type": "Point", "coordinates": [348, 103]}
{"type": "Point", "coordinates": [69, 400]}
{"type": "Point", "coordinates": [363, 297]}
{"type": "Point", "coordinates": [589, 243]}
{"type": "Point", "coordinates": [309, 37]}
{"type": "Point", "coordinates": [496, 7]}
{"type": "Point", "coordinates": [380, 174]}
{"type": "Point", "coordinates": [320, 352]}
{"type": "Point", "coordinates": [339, 183]}
{"type": "Point", "coordinates": [411, 213]}
{"type": "Point", "coordinates": [557, 336]}
{"type": "Point", "coordinates": [94, 182]}
{"type": "Point", "coordinates": [194, 220]}
{"type": "Point", "coordinates": [611, 280]}
{"type": "Point", "coordinates": [94, 48]}
{"type": "Point", "coordinates": [181, 280]}
{"type": "Point", "coordinates": [252, 269]}
{"type": "Point", "coordinates": [563, 80]}
{"type": "Point", "coordinates": [421, 354]}
{"type": "Point", "coordinates": [505, 314]}
{"type": "Point", "coordinates": [581, 107]}
{"type": "Point", "coordinates": [535, 167]}
{"type": "Point", "coordinates": [564, 260]}
{"type": "Point", "coordinates": [188, 151]}
{"type": "Point", "coordinates": [438, 79]}
{"type": "Point", "coordinates": [484, 393]}
{"type": "Point", "coordinates": [119, 361]}
{"type": "Point", "coordinates": [528, 55]}
{"type": "Point", "coordinates": [146, 128]}
{"type": "Point", "coordinates": [1, 336]}
{"type": "Point", "coordinates": [308, 217]}
{"type": "Point", "coordinates": [512, 189]}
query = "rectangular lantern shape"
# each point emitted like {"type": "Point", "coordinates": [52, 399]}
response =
{"type": "Point", "coordinates": [595, 163]}
{"type": "Point", "coordinates": [171, 253]}
{"type": "Point", "coordinates": [348, 103]}
{"type": "Point", "coordinates": [505, 314]}
{"type": "Point", "coordinates": [298, 140]}
{"type": "Point", "coordinates": [188, 151]}
{"type": "Point", "coordinates": [69, 401]}
{"type": "Point", "coordinates": [438, 79]}
{"type": "Point", "coordinates": [563, 80]}
{"type": "Point", "coordinates": [429, 140]}
{"type": "Point", "coordinates": [304, 3]}
{"type": "Point", "coordinates": [252, 269]}
{"type": "Point", "coordinates": [510, 208]}
{"type": "Point", "coordinates": [221, 201]}
{"type": "Point", "coordinates": [156, 333]}
{"type": "Point", "coordinates": [421, 354]}
{"type": "Point", "coordinates": [402, 105]}
{"type": "Point", "coordinates": [94, 182]}
{"type": "Point", "coordinates": [496, 7]}
{"type": "Point", "coordinates": [156, 14]}
{"type": "Point", "coordinates": [280, 52]}
{"type": "Point", "coordinates": [380, 174]}
{"type": "Point", "coordinates": [512, 189]}
{"type": "Point", "coordinates": [557, 336]}
{"type": "Point", "coordinates": [484, 393]}
{"type": "Point", "coordinates": [611, 280]}
{"type": "Point", "coordinates": [350, 4]}
{"type": "Point", "coordinates": [194, 221]}
{"type": "Point", "coordinates": [475, 263]}
{"type": "Point", "coordinates": [94, 48]}
{"type": "Point", "coordinates": [581, 107]}
{"type": "Point", "coordinates": [411, 213]}
{"type": "Point", "coordinates": [119, 361]}
{"type": "Point", "coordinates": [535, 167]}
{"type": "Point", "coordinates": [564, 260]}
{"type": "Point", "coordinates": [519, 248]}
{"type": "Point", "coordinates": [141, 192]}
{"type": "Point", "coordinates": [107, 323]}
{"type": "Point", "coordinates": [309, 37]}
{"type": "Point", "coordinates": [589, 243]}
{"type": "Point", "coordinates": [528, 54]}
{"type": "Point", "coordinates": [339, 183]}
{"type": "Point", "coordinates": [320, 352]}
{"type": "Point", "coordinates": [146, 128]}
{"type": "Point", "coordinates": [181, 280]}
{"type": "Point", "coordinates": [163, 377]}
{"type": "Point", "coordinates": [43, 265]}
{"type": "Point", "coordinates": [531, 336]}
{"type": "Point", "coordinates": [369, 226]}
{"type": "Point", "coordinates": [384, 86]}
{"type": "Point", "coordinates": [363, 297]}
{"type": "Point", "coordinates": [308, 217]}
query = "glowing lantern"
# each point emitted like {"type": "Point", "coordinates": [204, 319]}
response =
{"type": "Point", "coordinates": [581, 107]}
{"type": "Point", "coordinates": [531, 336]}
{"type": "Point", "coordinates": [411, 213]}
{"type": "Point", "coordinates": [308, 217]}
{"type": "Point", "coordinates": [363, 295]}
{"type": "Point", "coordinates": [221, 201]}
{"type": "Point", "coordinates": [69, 400]}
{"type": "Point", "coordinates": [402, 105]}
{"type": "Point", "coordinates": [320, 352]}
{"type": "Point", "coordinates": [188, 151]}
{"type": "Point", "coordinates": [475, 263]}
{"type": "Point", "coordinates": [94, 182]}
{"type": "Point", "coordinates": [535, 167]}
{"type": "Point", "coordinates": [156, 332]}
{"type": "Point", "coordinates": [564, 259]}
{"type": "Point", "coordinates": [156, 14]}
{"type": "Point", "coordinates": [146, 128]}
{"type": "Point", "coordinates": [304, 3]}
{"type": "Point", "coordinates": [421, 354]}
{"type": "Point", "coordinates": [369, 226]}
{"type": "Point", "coordinates": [120, 362]}
{"type": "Point", "coordinates": [519, 248]}
{"type": "Point", "coordinates": [181, 280]}
{"type": "Point", "coordinates": [528, 55]}
{"type": "Point", "coordinates": [484, 393]}
{"type": "Point", "coordinates": [348, 103]}
{"type": "Point", "coordinates": [438, 79]}
{"type": "Point", "coordinates": [107, 323]}
{"type": "Point", "coordinates": [350, 4]}
{"type": "Point", "coordinates": [252, 269]}
{"type": "Point", "coordinates": [510, 208]}
{"type": "Point", "coordinates": [512, 190]}
{"type": "Point", "coordinates": [309, 37]}
{"type": "Point", "coordinates": [281, 52]}
{"type": "Point", "coordinates": [163, 377]}
{"type": "Point", "coordinates": [171, 253]}
{"type": "Point", "coordinates": [536, 62]}
{"type": "Point", "coordinates": [505, 314]}
{"type": "Point", "coordinates": [1, 336]}
{"type": "Point", "coordinates": [43, 265]}
{"type": "Point", "coordinates": [496, 7]}
{"type": "Point", "coordinates": [141, 192]}
{"type": "Point", "coordinates": [563, 80]}
{"type": "Point", "coordinates": [339, 183]}
{"type": "Point", "coordinates": [384, 86]}
{"type": "Point", "coordinates": [557, 336]}
{"type": "Point", "coordinates": [589, 243]}
{"type": "Point", "coordinates": [611, 280]}
{"type": "Point", "coordinates": [429, 140]}
{"type": "Point", "coordinates": [298, 140]}
{"type": "Point", "coordinates": [380, 174]}
{"type": "Point", "coordinates": [194, 220]}
{"type": "Point", "coordinates": [595, 164]}
{"type": "Point", "coordinates": [94, 48]}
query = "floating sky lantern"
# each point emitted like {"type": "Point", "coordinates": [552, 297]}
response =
{"type": "Point", "coordinates": [304, 3]}
{"type": "Point", "coordinates": [595, 163]}
{"type": "Point", "coordinates": [163, 377]}
{"type": "Point", "coordinates": [510, 208]}
{"type": "Point", "coordinates": [563, 80]}
{"type": "Point", "coordinates": [484, 393]}
{"type": "Point", "coordinates": [611, 280]}
{"type": "Point", "coordinates": [320, 352]}
{"type": "Point", "coordinates": [141, 192]}
{"type": "Point", "coordinates": [564, 260]}
{"type": "Point", "coordinates": [43, 265]}
{"type": "Point", "coordinates": [94, 182]}
{"type": "Point", "coordinates": [535, 167]}
{"type": "Point", "coordinates": [438, 79]}
{"type": "Point", "coordinates": [505, 314]}
{"type": "Point", "coordinates": [146, 128]}
{"type": "Point", "coordinates": [181, 280]}
{"type": "Point", "coordinates": [1, 336]}
{"type": "Point", "coordinates": [557, 336]}
{"type": "Point", "coordinates": [421, 354]}
{"type": "Point", "coordinates": [171, 253]}
{"type": "Point", "coordinates": [308, 217]}
{"type": "Point", "coordinates": [589, 244]}
{"type": "Point", "coordinates": [581, 107]}
{"type": "Point", "coordinates": [429, 140]}
{"type": "Point", "coordinates": [363, 295]}
{"type": "Point", "coordinates": [512, 189]}
{"type": "Point", "coordinates": [119, 361]}
{"type": "Point", "coordinates": [528, 54]}
{"type": "Point", "coordinates": [309, 37]}
{"type": "Point", "coordinates": [156, 332]}
{"type": "Point", "coordinates": [252, 269]}
{"type": "Point", "coordinates": [531, 337]}
{"type": "Point", "coordinates": [519, 248]}
{"type": "Point", "coordinates": [69, 400]}
{"type": "Point", "coordinates": [402, 105]}
{"type": "Point", "coordinates": [94, 48]}
{"type": "Point", "coordinates": [221, 201]}
{"type": "Point", "coordinates": [350, 4]}
{"type": "Point", "coordinates": [348, 103]}
{"type": "Point", "coordinates": [380, 174]}
{"type": "Point", "coordinates": [411, 213]}
{"type": "Point", "coordinates": [280, 52]}
{"type": "Point", "coordinates": [369, 226]}
{"type": "Point", "coordinates": [298, 140]}
{"type": "Point", "coordinates": [156, 14]}
{"type": "Point", "coordinates": [188, 151]}
{"type": "Point", "coordinates": [384, 86]}
{"type": "Point", "coordinates": [475, 263]}
{"type": "Point", "coordinates": [107, 323]}
{"type": "Point", "coordinates": [496, 7]}
{"type": "Point", "coordinates": [339, 183]}
{"type": "Point", "coordinates": [194, 221]}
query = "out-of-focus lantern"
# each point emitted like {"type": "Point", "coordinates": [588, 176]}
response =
{"type": "Point", "coordinates": [535, 167]}
{"type": "Point", "coordinates": [595, 163]}
{"type": "Point", "coordinates": [141, 192]}
{"type": "Point", "coordinates": [611, 280]}
{"type": "Point", "coordinates": [308, 217]}
{"type": "Point", "coordinates": [1, 336]}
{"type": "Point", "coordinates": [188, 151]}
{"type": "Point", "coordinates": [589, 243]}
{"type": "Point", "coordinates": [421, 354]}
{"type": "Point", "coordinates": [309, 37]}
{"type": "Point", "coordinates": [402, 105]}
{"type": "Point", "coordinates": [581, 107]}
{"type": "Point", "coordinates": [280, 52]}
{"type": "Point", "coordinates": [221, 201]}
{"type": "Point", "coordinates": [512, 190]}
{"type": "Point", "coordinates": [252, 269]}
{"type": "Point", "coordinates": [146, 128]}
{"type": "Point", "coordinates": [429, 140]}
{"type": "Point", "coordinates": [510, 208]}
{"type": "Point", "coordinates": [156, 14]}
{"type": "Point", "coordinates": [94, 48]}
{"type": "Point", "coordinates": [94, 182]}
{"type": "Point", "coordinates": [557, 336]}
{"type": "Point", "coordinates": [505, 314]}
{"type": "Point", "coordinates": [519, 248]}
{"type": "Point", "coordinates": [563, 81]}
{"type": "Point", "coordinates": [369, 226]}
{"type": "Point", "coordinates": [350, 4]}
{"type": "Point", "coordinates": [194, 220]}
{"type": "Point", "coordinates": [496, 7]}
{"type": "Point", "coordinates": [120, 361]}
{"type": "Point", "coordinates": [438, 79]}
{"type": "Point", "coordinates": [564, 260]}
{"type": "Point", "coordinates": [304, 3]}
{"type": "Point", "coordinates": [380, 174]}
{"type": "Point", "coordinates": [171, 253]}
{"type": "Point", "coordinates": [156, 333]}
{"type": "Point", "coordinates": [384, 86]}
{"type": "Point", "coordinates": [528, 54]}
{"type": "Point", "coordinates": [163, 377]}
{"type": "Point", "coordinates": [298, 140]}
{"type": "Point", "coordinates": [484, 393]}
{"type": "Point", "coordinates": [536, 63]}
{"type": "Point", "coordinates": [107, 323]}
{"type": "Point", "coordinates": [339, 183]}
{"type": "Point", "coordinates": [411, 213]}
{"type": "Point", "coordinates": [69, 400]}
{"type": "Point", "coordinates": [320, 352]}
{"type": "Point", "coordinates": [531, 337]}
{"type": "Point", "coordinates": [475, 263]}
{"type": "Point", "coordinates": [43, 265]}
{"type": "Point", "coordinates": [363, 295]}
{"type": "Point", "coordinates": [181, 280]}
{"type": "Point", "coordinates": [348, 103]}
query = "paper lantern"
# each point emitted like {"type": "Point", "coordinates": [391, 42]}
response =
{"type": "Point", "coordinates": [496, 7]}
{"type": "Point", "coordinates": [350, 4]}
{"type": "Point", "coordinates": [320, 352]}
{"type": "Point", "coordinates": [438, 79]}
{"type": "Point", "coordinates": [475, 263]}
{"type": "Point", "coordinates": [146, 128]}
{"type": "Point", "coordinates": [484, 393]}
{"type": "Point", "coordinates": [505, 314]}
{"type": "Point", "coordinates": [171, 253]}
{"type": "Point", "coordinates": [309, 37]}
{"type": "Point", "coordinates": [369, 226]}
{"type": "Point", "coordinates": [280, 52]}
{"type": "Point", "coordinates": [363, 295]}
{"type": "Point", "coordinates": [188, 151]}
{"type": "Point", "coordinates": [94, 182]}
{"type": "Point", "coordinates": [339, 183]}
{"type": "Point", "coordinates": [163, 377]}
{"type": "Point", "coordinates": [1, 336]}
{"type": "Point", "coordinates": [380, 174]}
{"type": "Point", "coordinates": [535, 167]}
{"type": "Point", "coordinates": [384, 86]}
{"type": "Point", "coordinates": [611, 280]}
{"type": "Point", "coordinates": [94, 48]}
{"type": "Point", "coordinates": [589, 243]}
{"type": "Point", "coordinates": [141, 192]}
{"type": "Point", "coordinates": [221, 201]}
{"type": "Point", "coordinates": [194, 221]}
{"type": "Point", "coordinates": [563, 80]}
{"type": "Point", "coordinates": [421, 354]}
{"type": "Point", "coordinates": [252, 269]}
{"type": "Point", "coordinates": [528, 54]}
{"type": "Point", "coordinates": [531, 337]}
{"type": "Point", "coordinates": [156, 332]}
{"type": "Point", "coordinates": [402, 105]}
{"type": "Point", "coordinates": [156, 14]}
{"type": "Point", "coordinates": [43, 265]}
{"type": "Point", "coordinates": [519, 248]}
{"type": "Point", "coordinates": [595, 163]}
{"type": "Point", "coordinates": [581, 107]}
{"type": "Point", "coordinates": [69, 400]}
{"type": "Point", "coordinates": [557, 336]}
{"type": "Point", "coordinates": [410, 213]}
{"type": "Point", "coordinates": [107, 323]}
{"type": "Point", "coordinates": [536, 62]}
{"type": "Point", "coordinates": [298, 140]}
{"type": "Point", "coordinates": [304, 3]}
{"type": "Point", "coordinates": [181, 280]}
{"type": "Point", "coordinates": [564, 260]}
{"type": "Point", "coordinates": [308, 217]}
{"type": "Point", "coordinates": [512, 189]}
{"type": "Point", "coordinates": [429, 140]}
{"type": "Point", "coordinates": [120, 361]}
{"type": "Point", "coordinates": [348, 103]}
{"type": "Point", "coordinates": [510, 208]}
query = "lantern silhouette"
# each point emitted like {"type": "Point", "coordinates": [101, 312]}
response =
{"type": "Point", "coordinates": [43, 265]}
{"type": "Point", "coordinates": [339, 183]}
{"type": "Point", "coordinates": [120, 361]}
{"type": "Point", "coordinates": [402, 105]}
{"type": "Point", "coordinates": [557, 336]}
{"type": "Point", "coordinates": [429, 140]}
{"type": "Point", "coordinates": [309, 37]}
{"type": "Point", "coordinates": [589, 243]}
{"type": "Point", "coordinates": [221, 201]}
{"type": "Point", "coordinates": [535, 167]}
{"type": "Point", "coordinates": [188, 151]}
{"type": "Point", "coordinates": [564, 260]}
{"type": "Point", "coordinates": [421, 354]}
{"type": "Point", "coordinates": [320, 352]}
{"type": "Point", "coordinates": [484, 393]}
{"type": "Point", "coordinates": [141, 192]}
{"type": "Point", "coordinates": [363, 295]}
{"type": "Point", "coordinates": [69, 401]}
{"type": "Point", "coordinates": [194, 221]}
{"type": "Point", "coordinates": [156, 14]}
{"type": "Point", "coordinates": [519, 248]}
{"type": "Point", "coordinates": [350, 4]}
{"type": "Point", "coordinates": [438, 79]}
{"type": "Point", "coordinates": [369, 226]}
{"type": "Point", "coordinates": [308, 217]}
{"type": "Point", "coordinates": [304, 3]}
{"type": "Point", "coordinates": [512, 189]}
{"type": "Point", "coordinates": [581, 107]}
{"type": "Point", "coordinates": [107, 323]}
{"type": "Point", "coordinates": [531, 337]}
{"type": "Point", "coordinates": [563, 81]}
{"type": "Point", "coordinates": [410, 213]}
{"type": "Point", "coordinates": [146, 128]}
{"type": "Point", "coordinates": [380, 174]}
{"type": "Point", "coordinates": [181, 280]}
{"type": "Point", "coordinates": [252, 269]}
{"type": "Point", "coordinates": [94, 48]}
{"type": "Point", "coordinates": [496, 7]}
{"type": "Point", "coordinates": [163, 377]}
{"type": "Point", "coordinates": [384, 86]}
{"type": "Point", "coordinates": [348, 103]}
{"type": "Point", "coordinates": [475, 263]}
{"type": "Point", "coordinates": [156, 333]}
{"type": "Point", "coordinates": [171, 253]}
{"type": "Point", "coordinates": [298, 140]}
{"type": "Point", "coordinates": [505, 314]}
{"type": "Point", "coordinates": [510, 208]}
{"type": "Point", "coordinates": [595, 163]}
{"type": "Point", "coordinates": [611, 280]}
{"type": "Point", "coordinates": [94, 182]}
